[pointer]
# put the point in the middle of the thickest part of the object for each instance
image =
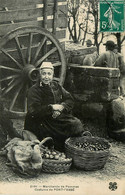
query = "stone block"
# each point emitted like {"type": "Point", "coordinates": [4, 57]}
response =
{"type": "Point", "coordinates": [95, 71]}
{"type": "Point", "coordinates": [93, 84]}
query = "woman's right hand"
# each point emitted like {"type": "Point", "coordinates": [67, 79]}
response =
{"type": "Point", "coordinates": [57, 107]}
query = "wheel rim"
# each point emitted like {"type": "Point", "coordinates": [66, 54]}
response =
{"type": "Point", "coordinates": [23, 50]}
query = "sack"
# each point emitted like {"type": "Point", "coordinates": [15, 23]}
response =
{"type": "Point", "coordinates": [116, 119]}
{"type": "Point", "coordinates": [118, 135]}
{"type": "Point", "coordinates": [117, 114]}
{"type": "Point", "coordinates": [24, 157]}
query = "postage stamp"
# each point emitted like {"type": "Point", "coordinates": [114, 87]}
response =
{"type": "Point", "coordinates": [112, 16]}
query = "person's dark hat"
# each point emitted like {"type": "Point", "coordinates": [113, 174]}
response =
{"type": "Point", "coordinates": [110, 44]}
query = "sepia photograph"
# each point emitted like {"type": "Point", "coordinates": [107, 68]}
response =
{"type": "Point", "coordinates": [62, 97]}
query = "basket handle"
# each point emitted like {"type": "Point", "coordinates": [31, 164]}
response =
{"type": "Point", "coordinates": [45, 140]}
{"type": "Point", "coordinates": [86, 133]}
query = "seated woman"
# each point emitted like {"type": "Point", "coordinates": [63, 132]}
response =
{"type": "Point", "coordinates": [49, 109]}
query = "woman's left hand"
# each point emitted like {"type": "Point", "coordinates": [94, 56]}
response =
{"type": "Point", "coordinates": [57, 107]}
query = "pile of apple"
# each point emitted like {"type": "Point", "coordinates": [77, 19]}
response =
{"type": "Point", "coordinates": [53, 154]}
{"type": "Point", "coordinates": [91, 146]}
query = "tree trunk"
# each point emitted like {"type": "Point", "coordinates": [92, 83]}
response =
{"type": "Point", "coordinates": [75, 30]}
{"type": "Point", "coordinates": [96, 33]}
{"type": "Point", "coordinates": [118, 37]}
{"type": "Point", "coordinates": [86, 28]}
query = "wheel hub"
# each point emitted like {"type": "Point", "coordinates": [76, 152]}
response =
{"type": "Point", "coordinates": [30, 72]}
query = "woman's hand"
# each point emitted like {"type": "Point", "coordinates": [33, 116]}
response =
{"type": "Point", "coordinates": [57, 107]}
{"type": "Point", "coordinates": [56, 114]}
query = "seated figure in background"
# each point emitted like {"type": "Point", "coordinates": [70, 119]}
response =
{"type": "Point", "coordinates": [90, 59]}
{"type": "Point", "coordinates": [49, 109]}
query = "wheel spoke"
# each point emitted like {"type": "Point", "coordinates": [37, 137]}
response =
{"type": "Point", "coordinates": [20, 51]}
{"type": "Point", "coordinates": [45, 56]}
{"type": "Point", "coordinates": [29, 48]}
{"type": "Point", "coordinates": [10, 82]}
{"type": "Point", "coordinates": [9, 77]}
{"type": "Point", "coordinates": [10, 57]}
{"type": "Point", "coordinates": [2, 89]}
{"type": "Point", "coordinates": [11, 86]}
{"type": "Point", "coordinates": [57, 64]}
{"type": "Point", "coordinates": [25, 98]}
{"type": "Point", "coordinates": [15, 97]}
{"type": "Point", "coordinates": [8, 68]}
{"type": "Point", "coordinates": [25, 104]}
{"type": "Point", "coordinates": [39, 48]}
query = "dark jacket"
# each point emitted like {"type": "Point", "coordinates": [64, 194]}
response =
{"type": "Point", "coordinates": [40, 98]}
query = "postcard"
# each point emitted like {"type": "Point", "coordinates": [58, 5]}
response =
{"type": "Point", "coordinates": [71, 38]}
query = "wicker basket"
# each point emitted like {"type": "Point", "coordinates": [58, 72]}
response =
{"type": "Point", "coordinates": [84, 159]}
{"type": "Point", "coordinates": [56, 166]}
{"type": "Point", "coordinates": [52, 165]}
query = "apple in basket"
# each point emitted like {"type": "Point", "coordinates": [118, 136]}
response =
{"type": "Point", "coordinates": [53, 154]}
{"type": "Point", "coordinates": [90, 146]}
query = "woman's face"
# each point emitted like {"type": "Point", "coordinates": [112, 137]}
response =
{"type": "Point", "coordinates": [46, 76]}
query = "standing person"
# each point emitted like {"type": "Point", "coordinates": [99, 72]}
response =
{"type": "Point", "coordinates": [49, 109]}
{"type": "Point", "coordinates": [108, 58]}
{"type": "Point", "coordinates": [111, 59]}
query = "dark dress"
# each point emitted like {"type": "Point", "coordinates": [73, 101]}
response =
{"type": "Point", "coordinates": [39, 118]}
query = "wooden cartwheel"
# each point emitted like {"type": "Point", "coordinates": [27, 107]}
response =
{"type": "Point", "coordinates": [22, 52]}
